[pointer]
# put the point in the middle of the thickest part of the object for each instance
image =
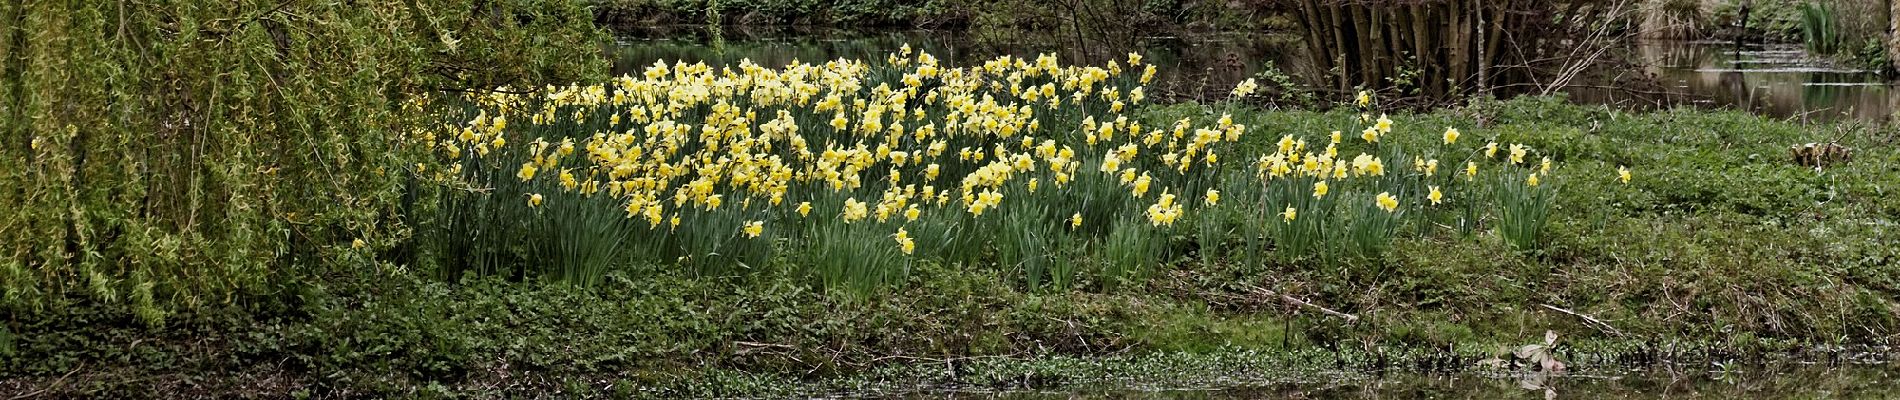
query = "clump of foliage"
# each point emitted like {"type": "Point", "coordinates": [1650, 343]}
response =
{"type": "Point", "coordinates": [183, 154]}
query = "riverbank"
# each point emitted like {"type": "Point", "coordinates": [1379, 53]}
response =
{"type": "Point", "coordinates": [1718, 243]}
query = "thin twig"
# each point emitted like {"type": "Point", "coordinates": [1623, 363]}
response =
{"type": "Point", "coordinates": [1294, 301]}
{"type": "Point", "coordinates": [757, 344]}
{"type": "Point", "coordinates": [1593, 322]}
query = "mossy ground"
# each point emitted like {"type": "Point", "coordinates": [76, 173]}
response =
{"type": "Point", "coordinates": [1720, 246]}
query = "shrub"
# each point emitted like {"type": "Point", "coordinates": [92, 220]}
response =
{"type": "Point", "coordinates": [178, 154]}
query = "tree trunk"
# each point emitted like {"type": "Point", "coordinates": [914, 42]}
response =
{"type": "Point", "coordinates": [1893, 36]}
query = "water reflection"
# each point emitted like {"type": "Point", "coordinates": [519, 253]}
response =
{"type": "Point", "coordinates": [1775, 80]}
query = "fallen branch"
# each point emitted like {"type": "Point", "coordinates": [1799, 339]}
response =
{"type": "Point", "coordinates": [1298, 302]}
{"type": "Point", "coordinates": [1593, 322]}
{"type": "Point", "coordinates": [757, 344]}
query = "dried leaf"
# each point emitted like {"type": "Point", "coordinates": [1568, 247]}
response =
{"type": "Point", "coordinates": [1528, 350]}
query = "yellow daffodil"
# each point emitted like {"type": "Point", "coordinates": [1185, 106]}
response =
{"type": "Point", "coordinates": [855, 210]}
{"type": "Point", "coordinates": [1075, 221]}
{"type": "Point", "coordinates": [1213, 197]}
{"type": "Point", "coordinates": [1364, 99]}
{"type": "Point", "coordinates": [1532, 181]}
{"type": "Point", "coordinates": [1319, 189]}
{"type": "Point", "coordinates": [904, 242]}
{"type": "Point", "coordinates": [526, 172]}
{"type": "Point", "coordinates": [1435, 196]}
{"type": "Point", "coordinates": [1387, 202]}
{"type": "Point", "coordinates": [534, 200]}
{"type": "Point", "coordinates": [1623, 174]}
{"type": "Point", "coordinates": [1141, 185]}
{"type": "Point", "coordinates": [1491, 150]}
{"type": "Point", "coordinates": [804, 208]}
{"type": "Point", "coordinates": [754, 228]}
{"type": "Point", "coordinates": [1290, 214]}
{"type": "Point", "coordinates": [1245, 88]}
{"type": "Point", "coordinates": [1451, 135]}
{"type": "Point", "coordinates": [1517, 153]}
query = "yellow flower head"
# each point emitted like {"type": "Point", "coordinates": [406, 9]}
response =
{"type": "Point", "coordinates": [1471, 169]}
{"type": "Point", "coordinates": [904, 242]}
{"type": "Point", "coordinates": [1435, 196]}
{"type": "Point", "coordinates": [1491, 150]}
{"type": "Point", "coordinates": [1517, 153]}
{"type": "Point", "coordinates": [855, 210]}
{"type": "Point", "coordinates": [1545, 168]}
{"type": "Point", "coordinates": [1213, 197]}
{"type": "Point", "coordinates": [1532, 181]}
{"type": "Point", "coordinates": [754, 228]}
{"type": "Point", "coordinates": [1245, 88]}
{"type": "Point", "coordinates": [1623, 174]}
{"type": "Point", "coordinates": [1451, 135]}
{"type": "Point", "coordinates": [1075, 221]}
{"type": "Point", "coordinates": [534, 200]}
{"type": "Point", "coordinates": [1141, 185]}
{"type": "Point", "coordinates": [1319, 189]}
{"type": "Point", "coordinates": [1290, 214]}
{"type": "Point", "coordinates": [526, 172]}
{"type": "Point", "coordinates": [1384, 124]}
{"type": "Point", "coordinates": [804, 208]}
{"type": "Point", "coordinates": [911, 213]}
{"type": "Point", "coordinates": [1387, 202]}
{"type": "Point", "coordinates": [1371, 135]}
{"type": "Point", "coordinates": [1364, 99]}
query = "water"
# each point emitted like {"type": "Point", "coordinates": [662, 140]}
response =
{"type": "Point", "coordinates": [1781, 81]}
{"type": "Point", "coordinates": [1798, 381]}
{"type": "Point", "coordinates": [1775, 80]}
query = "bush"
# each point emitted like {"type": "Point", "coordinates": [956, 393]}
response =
{"type": "Point", "coordinates": [182, 154]}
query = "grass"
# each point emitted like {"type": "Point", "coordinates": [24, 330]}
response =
{"type": "Point", "coordinates": [1717, 243]}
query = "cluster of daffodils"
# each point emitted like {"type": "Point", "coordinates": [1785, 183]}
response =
{"type": "Point", "coordinates": [750, 147]}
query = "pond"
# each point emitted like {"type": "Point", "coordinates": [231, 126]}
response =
{"type": "Point", "coordinates": [1780, 81]}
{"type": "Point", "coordinates": [1803, 381]}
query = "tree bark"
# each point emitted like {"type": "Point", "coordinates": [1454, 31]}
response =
{"type": "Point", "coordinates": [1893, 36]}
